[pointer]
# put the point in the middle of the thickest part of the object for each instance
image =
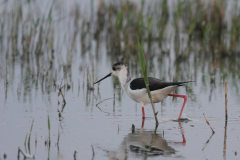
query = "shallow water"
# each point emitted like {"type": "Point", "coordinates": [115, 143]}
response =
{"type": "Point", "coordinates": [30, 80]}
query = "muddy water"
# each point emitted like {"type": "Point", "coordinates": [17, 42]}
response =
{"type": "Point", "coordinates": [54, 78]}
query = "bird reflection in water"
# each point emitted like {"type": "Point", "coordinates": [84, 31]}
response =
{"type": "Point", "coordinates": [143, 143]}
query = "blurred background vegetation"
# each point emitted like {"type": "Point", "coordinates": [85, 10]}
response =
{"type": "Point", "coordinates": [43, 42]}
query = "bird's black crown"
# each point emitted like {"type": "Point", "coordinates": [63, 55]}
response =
{"type": "Point", "coordinates": [117, 66]}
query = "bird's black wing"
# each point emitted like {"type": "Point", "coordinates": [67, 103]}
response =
{"type": "Point", "coordinates": [154, 84]}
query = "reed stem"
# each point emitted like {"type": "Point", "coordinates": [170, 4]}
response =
{"type": "Point", "coordinates": [226, 101]}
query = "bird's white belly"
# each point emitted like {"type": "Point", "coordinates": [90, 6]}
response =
{"type": "Point", "coordinates": [141, 95]}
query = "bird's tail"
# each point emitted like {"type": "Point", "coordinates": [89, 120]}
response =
{"type": "Point", "coordinates": [183, 83]}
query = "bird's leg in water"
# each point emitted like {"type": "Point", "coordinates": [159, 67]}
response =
{"type": "Point", "coordinates": [185, 100]}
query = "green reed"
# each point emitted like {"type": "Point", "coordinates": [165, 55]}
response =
{"type": "Point", "coordinates": [144, 73]}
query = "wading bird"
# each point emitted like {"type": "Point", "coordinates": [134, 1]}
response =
{"type": "Point", "coordinates": [136, 88]}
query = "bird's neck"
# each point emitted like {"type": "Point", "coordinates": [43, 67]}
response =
{"type": "Point", "coordinates": [124, 78]}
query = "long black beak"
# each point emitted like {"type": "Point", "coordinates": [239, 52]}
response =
{"type": "Point", "coordinates": [104, 78]}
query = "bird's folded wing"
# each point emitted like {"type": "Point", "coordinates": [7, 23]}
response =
{"type": "Point", "coordinates": [154, 84]}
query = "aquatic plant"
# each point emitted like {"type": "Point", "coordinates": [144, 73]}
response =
{"type": "Point", "coordinates": [145, 76]}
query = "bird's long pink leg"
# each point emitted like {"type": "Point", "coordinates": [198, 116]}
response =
{"type": "Point", "coordinates": [185, 100]}
{"type": "Point", "coordinates": [143, 113]}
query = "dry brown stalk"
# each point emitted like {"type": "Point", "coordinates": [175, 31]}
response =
{"type": "Point", "coordinates": [209, 124]}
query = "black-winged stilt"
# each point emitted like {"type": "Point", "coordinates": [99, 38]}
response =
{"type": "Point", "coordinates": [136, 88]}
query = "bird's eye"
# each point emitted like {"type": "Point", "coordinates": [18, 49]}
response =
{"type": "Point", "coordinates": [114, 68]}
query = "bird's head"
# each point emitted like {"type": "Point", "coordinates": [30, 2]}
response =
{"type": "Point", "coordinates": [117, 69]}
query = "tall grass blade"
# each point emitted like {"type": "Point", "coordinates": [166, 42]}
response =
{"type": "Point", "coordinates": [119, 20]}
{"type": "Point", "coordinates": [58, 138]}
{"type": "Point", "coordinates": [144, 73]}
{"type": "Point", "coordinates": [48, 123]}
{"type": "Point", "coordinates": [49, 139]}
{"type": "Point", "coordinates": [25, 142]}
{"type": "Point", "coordinates": [29, 137]}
